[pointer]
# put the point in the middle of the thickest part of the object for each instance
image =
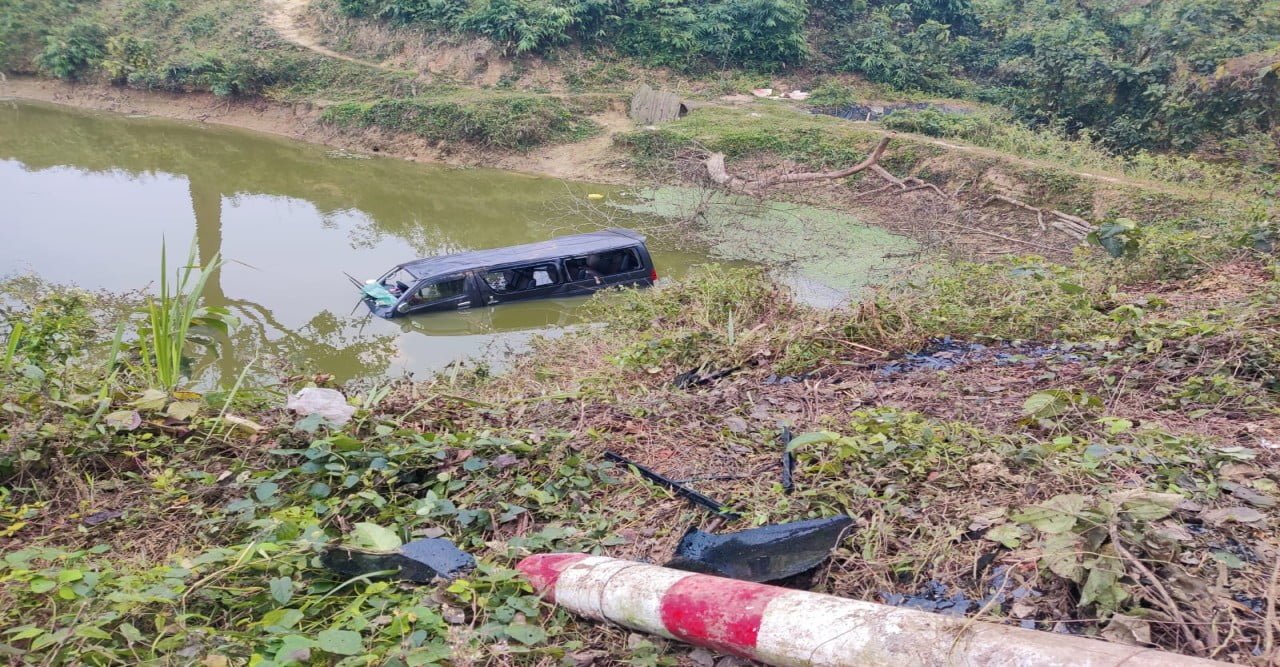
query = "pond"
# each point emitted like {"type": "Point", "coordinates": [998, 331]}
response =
{"type": "Point", "coordinates": [87, 199]}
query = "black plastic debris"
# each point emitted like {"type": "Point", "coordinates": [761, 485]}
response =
{"type": "Point", "coordinates": [939, 598]}
{"type": "Point", "coordinates": [102, 517]}
{"type": "Point", "coordinates": [418, 561]}
{"type": "Point", "coordinates": [690, 494]}
{"type": "Point", "coordinates": [935, 597]}
{"type": "Point", "coordinates": [767, 553]}
{"type": "Point", "coordinates": [943, 353]}
{"type": "Point", "coordinates": [699, 376]}
{"type": "Point", "coordinates": [788, 461]}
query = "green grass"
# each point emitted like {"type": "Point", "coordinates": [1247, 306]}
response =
{"type": "Point", "coordinates": [513, 122]}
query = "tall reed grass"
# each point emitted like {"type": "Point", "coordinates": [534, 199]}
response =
{"type": "Point", "coordinates": [171, 316]}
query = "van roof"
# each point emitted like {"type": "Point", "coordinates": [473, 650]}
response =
{"type": "Point", "coordinates": [562, 246]}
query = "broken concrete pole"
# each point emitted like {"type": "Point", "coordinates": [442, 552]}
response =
{"type": "Point", "coordinates": [789, 628]}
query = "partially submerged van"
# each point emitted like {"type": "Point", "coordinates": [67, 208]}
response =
{"type": "Point", "coordinates": [565, 266]}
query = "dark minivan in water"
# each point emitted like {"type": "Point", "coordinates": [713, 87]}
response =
{"type": "Point", "coordinates": [565, 266]}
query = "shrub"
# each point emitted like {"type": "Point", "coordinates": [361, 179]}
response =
{"type": "Point", "coordinates": [72, 52]}
{"type": "Point", "coordinates": [756, 33]}
{"type": "Point", "coordinates": [521, 26]}
{"type": "Point", "coordinates": [127, 56]}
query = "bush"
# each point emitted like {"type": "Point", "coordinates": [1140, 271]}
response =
{"type": "Point", "coordinates": [756, 33]}
{"type": "Point", "coordinates": [520, 26]}
{"type": "Point", "coordinates": [74, 51]}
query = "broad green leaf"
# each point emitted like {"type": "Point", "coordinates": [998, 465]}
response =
{"type": "Point", "coordinates": [42, 585]}
{"type": "Point", "coordinates": [341, 642]}
{"type": "Point", "coordinates": [374, 537]}
{"type": "Point", "coordinates": [282, 589]}
{"type": "Point", "coordinates": [280, 620]}
{"type": "Point", "coordinates": [265, 491]}
{"type": "Point", "coordinates": [294, 650]}
{"type": "Point", "coordinates": [1141, 505]}
{"type": "Point", "coordinates": [1227, 558]}
{"type": "Point", "coordinates": [1062, 556]}
{"type": "Point", "coordinates": [1046, 404]}
{"type": "Point", "coordinates": [526, 634]}
{"type": "Point", "coordinates": [1071, 288]}
{"type": "Point", "coordinates": [813, 438]}
{"type": "Point", "coordinates": [1008, 534]}
{"type": "Point", "coordinates": [1055, 515]}
{"type": "Point", "coordinates": [1102, 588]}
{"type": "Point", "coordinates": [91, 632]}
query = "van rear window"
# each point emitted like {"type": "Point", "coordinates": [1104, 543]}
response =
{"type": "Point", "coordinates": [603, 264]}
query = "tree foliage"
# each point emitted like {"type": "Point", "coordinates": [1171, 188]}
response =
{"type": "Point", "coordinates": [1171, 74]}
{"type": "Point", "coordinates": [763, 34]}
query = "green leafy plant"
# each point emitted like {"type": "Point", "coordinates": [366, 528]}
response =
{"type": "Point", "coordinates": [174, 319]}
{"type": "Point", "coordinates": [70, 53]}
{"type": "Point", "coordinates": [1118, 237]}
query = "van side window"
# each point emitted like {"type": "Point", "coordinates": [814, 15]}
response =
{"type": "Point", "coordinates": [522, 278]}
{"type": "Point", "coordinates": [603, 264]}
{"type": "Point", "coordinates": [438, 291]}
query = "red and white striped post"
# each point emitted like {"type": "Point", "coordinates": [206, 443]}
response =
{"type": "Point", "coordinates": [790, 628]}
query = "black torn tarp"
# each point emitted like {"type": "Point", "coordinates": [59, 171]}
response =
{"type": "Point", "coordinates": [763, 554]}
{"type": "Point", "coordinates": [418, 561]}
{"type": "Point", "coordinates": [788, 460]}
{"type": "Point", "coordinates": [690, 494]}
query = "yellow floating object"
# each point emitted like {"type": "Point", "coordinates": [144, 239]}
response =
{"type": "Point", "coordinates": [595, 196]}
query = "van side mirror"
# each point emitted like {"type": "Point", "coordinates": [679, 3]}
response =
{"type": "Point", "coordinates": [402, 308]}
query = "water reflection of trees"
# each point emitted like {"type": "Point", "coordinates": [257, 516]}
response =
{"type": "Point", "coordinates": [429, 208]}
{"type": "Point", "coordinates": [432, 210]}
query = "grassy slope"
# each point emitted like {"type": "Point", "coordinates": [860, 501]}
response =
{"type": "Point", "coordinates": [1155, 374]}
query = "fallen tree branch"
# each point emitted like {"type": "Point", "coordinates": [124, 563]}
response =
{"type": "Point", "coordinates": [984, 232]}
{"type": "Point", "coordinates": [720, 176]}
{"type": "Point", "coordinates": [1070, 224]}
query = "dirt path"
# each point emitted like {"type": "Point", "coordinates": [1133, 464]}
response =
{"type": "Point", "coordinates": [286, 17]}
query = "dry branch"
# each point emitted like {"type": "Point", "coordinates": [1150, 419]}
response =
{"type": "Point", "coordinates": [1070, 224]}
{"type": "Point", "coordinates": [719, 175]}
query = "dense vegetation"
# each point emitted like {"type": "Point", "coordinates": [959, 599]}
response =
{"type": "Point", "coordinates": [1133, 75]}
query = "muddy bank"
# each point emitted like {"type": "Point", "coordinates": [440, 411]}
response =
{"type": "Point", "coordinates": [590, 160]}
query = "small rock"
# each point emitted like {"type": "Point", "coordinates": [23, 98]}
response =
{"type": "Point", "coordinates": [702, 657]}
{"type": "Point", "coordinates": [736, 425]}
{"type": "Point", "coordinates": [452, 615]}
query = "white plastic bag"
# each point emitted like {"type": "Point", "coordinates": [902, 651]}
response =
{"type": "Point", "coordinates": [328, 403]}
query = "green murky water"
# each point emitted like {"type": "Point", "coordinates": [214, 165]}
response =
{"type": "Point", "coordinates": [86, 198]}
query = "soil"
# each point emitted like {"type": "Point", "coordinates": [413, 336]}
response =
{"type": "Point", "coordinates": [288, 19]}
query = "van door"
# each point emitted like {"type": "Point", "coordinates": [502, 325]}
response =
{"type": "Point", "coordinates": [522, 281]}
{"type": "Point", "coordinates": [445, 293]}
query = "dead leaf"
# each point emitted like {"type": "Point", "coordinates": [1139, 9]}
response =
{"type": "Point", "coordinates": [1217, 517]}
{"type": "Point", "coordinates": [151, 399]}
{"type": "Point", "coordinates": [1128, 630]}
{"type": "Point", "coordinates": [702, 657]}
{"type": "Point", "coordinates": [123, 420]}
{"type": "Point", "coordinates": [242, 423]}
{"type": "Point", "coordinates": [736, 424]}
{"type": "Point", "coordinates": [1248, 495]}
{"type": "Point", "coordinates": [183, 410]}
